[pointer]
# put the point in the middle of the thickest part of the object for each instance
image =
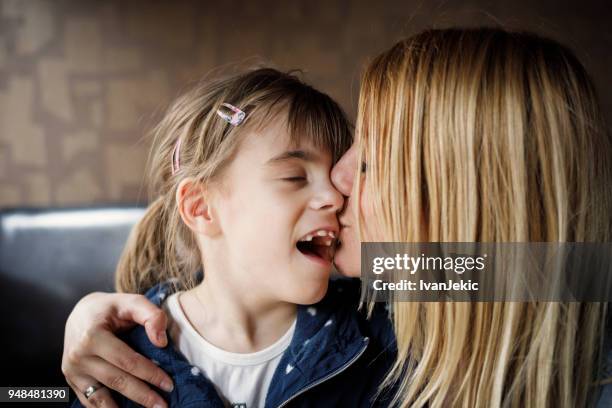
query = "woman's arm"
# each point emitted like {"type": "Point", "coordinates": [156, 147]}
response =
{"type": "Point", "coordinates": [94, 355]}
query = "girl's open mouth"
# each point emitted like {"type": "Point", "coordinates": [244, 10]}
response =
{"type": "Point", "coordinates": [318, 246]}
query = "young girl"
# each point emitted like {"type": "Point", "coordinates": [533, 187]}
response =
{"type": "Point", "coordinates": [240, 171]}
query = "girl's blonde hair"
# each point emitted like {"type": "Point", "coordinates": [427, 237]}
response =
{"type": "Point", "coordinates": [160, 246]}
{"type": "Point", "coordinates": [484, 135]}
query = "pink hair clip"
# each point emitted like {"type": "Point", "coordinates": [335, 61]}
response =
{"type": "Point", "coordinates": [235, 118]}
{"type": "Point", "coordinates": [176, 152]}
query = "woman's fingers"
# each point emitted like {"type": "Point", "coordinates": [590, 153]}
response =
{"type": "Point", "coordinates": [122, 382]}
{"type": "Point", "coordinates": [140, 310]}
{"type": "Point", "coordinates": [110, 348]}
{"type": "Point", "coordinates": [101, 398]}
{"type": "Point", "coordinates": [92, 353]}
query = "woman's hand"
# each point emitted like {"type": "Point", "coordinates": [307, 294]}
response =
{"type": "Point", "coordinates": [93, 354]}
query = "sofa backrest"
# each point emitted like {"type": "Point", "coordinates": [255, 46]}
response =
{"type": "Point", "coordinates": [49, 259]}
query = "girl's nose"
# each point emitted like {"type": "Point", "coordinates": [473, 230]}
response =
{"type": "Point", "coordinates": [328, 199]}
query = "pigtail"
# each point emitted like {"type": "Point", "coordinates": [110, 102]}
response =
{"type": "Point", "coordinates": [143, 256]}
{"type": "Point", "coordinates": [160, 247]}
{"type": "Point", "coordinates": [157, 252]}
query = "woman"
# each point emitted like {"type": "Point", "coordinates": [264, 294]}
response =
{"type": "Point", "coordinates": [462, 136]}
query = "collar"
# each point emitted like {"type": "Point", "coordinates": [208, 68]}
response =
{"type": "Point", "coordinates": [327, 340]}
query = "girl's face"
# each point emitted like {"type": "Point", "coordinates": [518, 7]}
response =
{"type": "Point", "coordinates": [278, 215]}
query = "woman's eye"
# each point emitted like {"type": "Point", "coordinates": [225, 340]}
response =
{"type": "Point", "coordinates": [364, 167]}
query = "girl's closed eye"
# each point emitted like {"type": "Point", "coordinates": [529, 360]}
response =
{"type": "Point", "coordinates": [295, 179]}
{"type": "Point", "coordinates": [293, 174]}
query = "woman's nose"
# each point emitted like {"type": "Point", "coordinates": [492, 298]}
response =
{"type": "Point", "coordinates": [343, 173]}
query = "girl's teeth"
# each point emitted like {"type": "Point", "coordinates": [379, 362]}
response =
{"type": "Point", "coordinates": [320, 233]}
{"type": "Point", "coordinates": [328, 241]}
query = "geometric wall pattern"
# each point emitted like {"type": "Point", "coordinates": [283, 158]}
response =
{"type": "Point", "coordinates": [81, 82]}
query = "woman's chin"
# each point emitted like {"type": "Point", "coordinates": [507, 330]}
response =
{"type": "Point", "coordinates": [347, 262]}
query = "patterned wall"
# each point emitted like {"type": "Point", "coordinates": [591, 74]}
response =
{"type": "Point", "coordinates": [82, 81]}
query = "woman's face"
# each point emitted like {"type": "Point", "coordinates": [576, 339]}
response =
{"type": "Point", "coordinates": [348, 256]}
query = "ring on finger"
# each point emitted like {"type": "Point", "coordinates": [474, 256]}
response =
{"type": "Point", "coordinates": [89, 391]}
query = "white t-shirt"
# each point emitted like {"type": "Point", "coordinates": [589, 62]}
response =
{"type": "Point", "coordinates": [242, 379]}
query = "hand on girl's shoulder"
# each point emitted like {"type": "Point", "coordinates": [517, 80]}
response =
{"type": "Point", "coordinates": [191, 388]}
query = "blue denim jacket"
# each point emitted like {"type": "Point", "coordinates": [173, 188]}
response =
{"type": "Point", "coordinates": [336, 357]}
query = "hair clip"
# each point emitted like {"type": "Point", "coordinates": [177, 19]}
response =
{"type": "Point", "coordinates": [234, 119]}
{"type": "Point", "coordinates": [176, 152]}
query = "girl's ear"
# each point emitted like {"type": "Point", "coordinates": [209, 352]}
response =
{"type": "Point", "coordinates": [192, 201]}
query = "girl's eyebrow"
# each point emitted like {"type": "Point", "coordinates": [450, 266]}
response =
{"type": "Point", "coordinates": [292, 154]}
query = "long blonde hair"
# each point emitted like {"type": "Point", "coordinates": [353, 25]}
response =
{"type": "Point", "coordinates": [484, 135]}
{"type": "Point", "coordinates": [161, 247]}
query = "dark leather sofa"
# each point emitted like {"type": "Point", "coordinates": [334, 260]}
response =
{"type": "Point", "coordinates": [49, 259]}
